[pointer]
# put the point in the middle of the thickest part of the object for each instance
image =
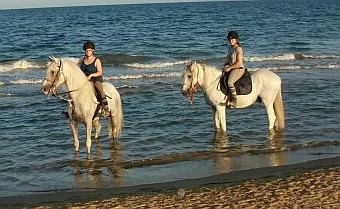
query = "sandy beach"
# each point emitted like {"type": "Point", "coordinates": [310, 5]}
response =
{"type": "Point", "coordinates": [315, 184]}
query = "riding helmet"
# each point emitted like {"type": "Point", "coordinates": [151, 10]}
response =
{"type": "Point", "coordinates": [232, 34]}
{"type": "Point", "coordinates": [89, 45]}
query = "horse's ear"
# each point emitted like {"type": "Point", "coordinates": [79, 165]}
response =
{"type": "Point", "coordinates": [52, 59]}
{"type": "Point", "coordinates": [191, 62]}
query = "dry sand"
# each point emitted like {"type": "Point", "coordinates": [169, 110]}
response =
{"type": "Point", "coordinates": [315, 184]}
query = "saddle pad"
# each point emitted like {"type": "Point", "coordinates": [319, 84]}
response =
{"type": "Point", "coordinates": [243, 85]}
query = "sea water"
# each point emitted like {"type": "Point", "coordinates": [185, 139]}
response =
{"type": "Point", "coordinates": [144, 49]}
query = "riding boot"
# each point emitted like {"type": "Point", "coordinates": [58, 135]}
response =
{"type": "Point", "coordinates": [232, 97]}
{"type": "Point", "coordinates": [106, 111]}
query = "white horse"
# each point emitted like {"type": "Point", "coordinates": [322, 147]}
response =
{"type": "Point", "coordinates": [82, 102]}
{"type": "Point", "coordinates": [266, 87]}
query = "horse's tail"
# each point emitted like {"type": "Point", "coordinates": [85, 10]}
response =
{"type": "Point", "coordinates": [279, 112]}
{"type": "Point", "coordinates": [117, 120]}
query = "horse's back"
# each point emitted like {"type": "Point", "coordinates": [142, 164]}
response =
{"type": "Point", "coordinates": [266, 84]}
{"type": "Point", "coordinates": [110, 90]}
{"type": "Point", "coordinates": [266, 78]}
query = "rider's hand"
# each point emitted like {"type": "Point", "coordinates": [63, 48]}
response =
{"type": "Point", "coordinates": [225, 69]}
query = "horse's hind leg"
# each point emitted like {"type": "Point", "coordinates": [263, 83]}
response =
{"type": "Point", "coordinates": [97, 127]}
{"type": "Point", "coordinates": [271, 114]}
{"type": "Point", "coordinates": [112, 128]}
{"type": "Point", "coordinates": [74, 127]}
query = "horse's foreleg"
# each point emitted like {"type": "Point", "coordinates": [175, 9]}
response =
{"type": "Point", "coordinates": [220, 111]}
{"type": "Point", "coordinates": [74, 127]}
{"type": "Point", "coordinates": [88, 136]}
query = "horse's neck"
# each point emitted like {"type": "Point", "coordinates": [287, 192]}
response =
{"type": "Point", "coordinates": [209, 76]}
{"type": "Point", "coordinates": [77, 83]}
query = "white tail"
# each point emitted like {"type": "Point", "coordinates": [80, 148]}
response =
{"type": "Point", "coordinates": [117, 120]}
{"type": "Point", "coordinates": [279, 112]}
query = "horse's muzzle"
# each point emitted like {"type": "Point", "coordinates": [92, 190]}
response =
{"type": "Point", "coordinates": [186, 92]}
{"type": "Point", "coordinates": [47, 90]}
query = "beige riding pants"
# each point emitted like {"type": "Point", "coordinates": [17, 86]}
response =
{"type": "Point", "coordinates": [101, 94]}
{"type": "Point", "coordinates": [234, 75]}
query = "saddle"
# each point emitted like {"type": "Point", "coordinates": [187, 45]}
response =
{"type": "Point", "coordinates": [243, 85]}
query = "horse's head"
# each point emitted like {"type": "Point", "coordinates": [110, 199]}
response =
{"type": "Point", "coordinates": [190, 79]}
{"type": "Point", "coordinates": [54, 76]}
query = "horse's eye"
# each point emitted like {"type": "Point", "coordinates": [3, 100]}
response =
{"type": "Point", "coordinates": [189, 76]}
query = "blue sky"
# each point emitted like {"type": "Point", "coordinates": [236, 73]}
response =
{"type": "Point", "coordinates": [18, 4]}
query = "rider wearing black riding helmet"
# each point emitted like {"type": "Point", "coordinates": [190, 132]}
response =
{"type": "Point", "coordinates": [92, 68]}
{"type": "Point", "coordinates": [234, 64]}
{"type": "Point", "coordinates": [89, 45]}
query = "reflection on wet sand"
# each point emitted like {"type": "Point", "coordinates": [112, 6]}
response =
{"type": "Point", "coordinates": [96, 172]}
{"type": "Point", "coordinates": [116, 158]}
{"type": "Point", "coordinates": [221, 142]}
{"type": "Point", "coordinates": [90, 172]}
{"type": "Point", "coordinates": [276, 142]}
{"type": "Point", "coordinates": [228, 158]}
{"type": "Point", "coordinates": [222, 163]}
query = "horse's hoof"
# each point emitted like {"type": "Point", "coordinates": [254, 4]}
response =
{"type": "Point", "coordinates": [76, 148]}
{"type": "Point", "coordinates": [231, 105]}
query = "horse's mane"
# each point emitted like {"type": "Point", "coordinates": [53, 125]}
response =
{"type": "Point", "coordinates": [70, 63]}
{"type": "Point", "coordinates": [207, 67]}
{"type": "Point", "coordinates": [75, 76]}
{"type": "Point", "coordinates": [73, 68]}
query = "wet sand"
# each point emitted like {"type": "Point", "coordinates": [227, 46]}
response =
{"type": "Point", "coordinates": [315, 184]}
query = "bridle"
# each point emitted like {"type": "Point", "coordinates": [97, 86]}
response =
{"type": "Point", "coordinates": [194, 86]}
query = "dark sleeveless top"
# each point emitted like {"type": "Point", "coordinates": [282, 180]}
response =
{"type": "Point", "coordinates": [88, 69]}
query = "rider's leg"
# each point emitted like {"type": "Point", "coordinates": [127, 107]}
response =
{"type": "Point", "coordinates": [235, 74]}
{"type": "Point", "coordinates": [101, 95]}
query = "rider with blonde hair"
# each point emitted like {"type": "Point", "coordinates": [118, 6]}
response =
{"type": "Point", "coordinates": [234, 64]}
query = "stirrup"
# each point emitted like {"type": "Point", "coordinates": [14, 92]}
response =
{"type": "Point", "coordinates": [232, 101]}
{"type": "Point", "coordinates": [106, 113]}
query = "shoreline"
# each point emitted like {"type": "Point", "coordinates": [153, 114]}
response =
{"type": "Point", "coordinates": [306, 179]}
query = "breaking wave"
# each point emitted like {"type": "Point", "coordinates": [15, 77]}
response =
{"type": "Point", "coordinates": [19, 65]}
{"type": "Point", "coordinates": [157, 64]}
{"type": "Point", "coordinates": [287, 57]}
{"type": "Point", "coordinates": [141, 62]}
{"type": "Point", "coordinates": [107, 78]}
